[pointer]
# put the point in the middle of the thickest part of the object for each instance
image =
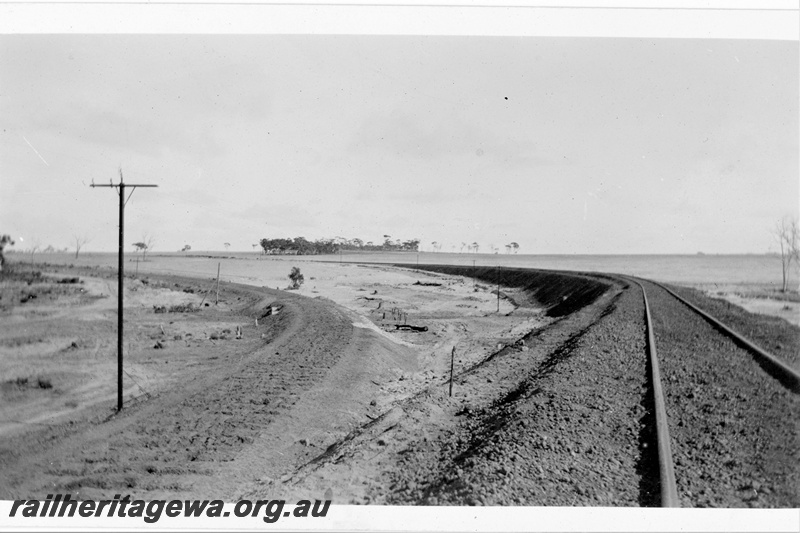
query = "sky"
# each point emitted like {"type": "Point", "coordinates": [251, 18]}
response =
{"type": "Point", "coordinates": [565, 145]}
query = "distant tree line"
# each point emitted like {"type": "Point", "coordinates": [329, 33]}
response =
{"type": "Point", "coordinates": [302, 246]}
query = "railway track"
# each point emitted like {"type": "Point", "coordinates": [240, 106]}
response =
{"type": "Point", "coordinates": [698, 422]}
{"type": "Point", "coordinates": [725, 410]}
{"type": "Point", "coordinates": [635, 406]}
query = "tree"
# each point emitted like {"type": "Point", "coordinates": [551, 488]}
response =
{"type": "Point", "coordinates": [227, 245]}
{"type": "Point", "coordinates": [514, 246]}
{"type": "Point", "coordinates": [36, 245]}
{"type": "Point", "coordinates": [149, 241]}
{"type": "Point", "coordinates": [475, 246]}
{"type": "Point", "coordinates": [296, 277]}
{"type": "Point", "coordinates": [787, 233]}
{"type": "Point", "coordinates": [141, 247]}
{"type": "Point", "coordinates": [80, 241]}
{"type": "Point", "coordinates": [5, 240]}
{"type": "Point", "coordinates": [186, 248]}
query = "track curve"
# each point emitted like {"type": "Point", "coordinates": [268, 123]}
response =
{"type": "Point", "coordinates": [666, 469]}
{"type": "Point", "coordinates": [771, 363]}
{"type": "Point", "coordinates": [733, 427]}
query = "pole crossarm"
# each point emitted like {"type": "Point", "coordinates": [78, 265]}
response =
{"type": "Point", "coordinates": [115, 185]}
{"type": "Point", "coordinates": [132, 186]}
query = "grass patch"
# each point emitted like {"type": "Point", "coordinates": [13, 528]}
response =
{"type": "Point", "coordinates": [180, 308]}
{"type": "Point", "coordinates": [24, 383]}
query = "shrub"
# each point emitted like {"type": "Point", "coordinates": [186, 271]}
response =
{"type": "Point", "coordinates": [296, 277]}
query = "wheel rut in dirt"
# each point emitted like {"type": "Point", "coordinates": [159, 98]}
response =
{"type": "Point", "coordinates": [167, 443]}
{"type": "Point", "coordinates": [558, 422]}
{"type": "Point", "coordinates": [321, 399]}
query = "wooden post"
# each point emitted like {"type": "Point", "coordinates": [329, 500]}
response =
{"type": "Point", "coordinates": [217, 300]}
{"type": "Point", "coordinates": [137, 267]}
{"type": "Point", "coordinates": [497, 274]}
{"type": "Point", "coordinates": [452, 363]}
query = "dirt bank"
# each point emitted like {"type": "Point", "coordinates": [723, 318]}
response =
{"type": "Point", "coordinates": [560, 293]}
{"type": "Point", "coordinates": [332, 394]}
{"type": "Point", "coordinates": [208, 414]}
{"type": "Point", "coordinates": [67, 437]}
{"type": "Point", "coordinates": [436, 449]}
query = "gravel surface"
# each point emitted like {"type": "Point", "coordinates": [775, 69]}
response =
{"type": "Point", "coordinates": [575, 430]}
{"type": "Point", "coordinates": [563, 419]}
{"type": "Point", "coordinates": [572, 423]}
{"type": "Point", "coordinates": [734, 429]}
{"type": "Point", "coordinates": [773, 334]}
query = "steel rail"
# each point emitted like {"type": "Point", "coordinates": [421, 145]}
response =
{"type": "Point", "coordinates": [666, 470]}
{"type": "Point", "coordinates": [774, 366]}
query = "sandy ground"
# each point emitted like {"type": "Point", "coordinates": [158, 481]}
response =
{"type": "Point", "coordinates": [66, 339]}
{"type": "Point", "coordinates": [756, 298]}
{"type": "Point", "coordinates": [58, 362]}
{"type": "Point", "coordinates": [321, 395]}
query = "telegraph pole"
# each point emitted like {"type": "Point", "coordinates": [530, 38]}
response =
{"type": "Point", "coordinates": [497, 274]}
{"type": "Point", "coordinates": [452, 363]}
{"type": "Point", "coordinates": [121, 255]}
{"type": "Point", "coordinates": [474, 281]}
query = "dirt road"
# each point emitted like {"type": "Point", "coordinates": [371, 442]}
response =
{"type": "Point", "coordinates": [174, 439]}
{"type": "Point", "coordinates": [327, 397]}
{"type": "Point", "coordinates": [208, 415]}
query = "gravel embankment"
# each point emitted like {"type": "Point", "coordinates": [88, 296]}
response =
{"type": "Point", "coordinates": [734, 428]}
{"type": "Point", "coordinates": [560, 293]}
{"type": "Point", "coordinates": [773, 334]}
{"type": "Point", "coordinates": [576, 430]}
